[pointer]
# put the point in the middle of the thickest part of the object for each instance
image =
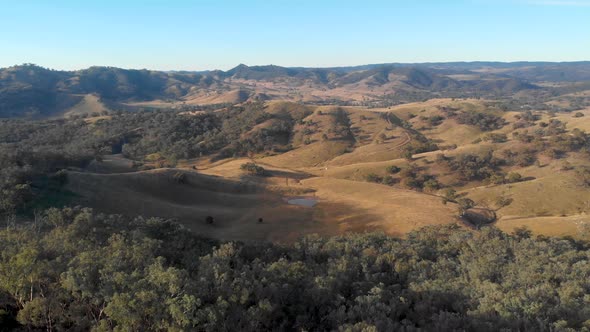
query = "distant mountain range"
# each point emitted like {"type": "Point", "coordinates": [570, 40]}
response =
{"type": "Point", "coordinates": [30, 90]}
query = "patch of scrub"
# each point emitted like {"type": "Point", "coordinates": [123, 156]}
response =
{"type": "Point", "coordinates": [303, 201]}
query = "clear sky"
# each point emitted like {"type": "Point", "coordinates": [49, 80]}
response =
{"type": "Point", "coordinates": [219, 34]}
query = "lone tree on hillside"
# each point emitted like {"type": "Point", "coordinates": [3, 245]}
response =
{"type": "Point", "coordinates": [253, 169]}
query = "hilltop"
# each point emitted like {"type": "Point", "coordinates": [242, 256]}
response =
{"type": "Point", "coordinates": [36, 92]}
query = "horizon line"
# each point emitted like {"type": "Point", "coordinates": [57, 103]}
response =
{"type": "Point", "coordinates": [308, 67]}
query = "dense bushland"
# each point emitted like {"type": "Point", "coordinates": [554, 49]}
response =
{"type": "Point", "coordinates": [75, 269]}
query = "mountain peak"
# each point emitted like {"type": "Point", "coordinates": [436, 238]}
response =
{"type": "Point", "coordinates": [241, 66]}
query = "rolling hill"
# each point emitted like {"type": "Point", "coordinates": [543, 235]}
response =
{"type": "Point", "coordinates": [33, 91]}
{"type": "Point", "coordinates": [366, 169]}
{"type": "Point", "coordinates": [390, 147]}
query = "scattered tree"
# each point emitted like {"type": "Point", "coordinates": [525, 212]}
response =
{"type": "Point", "coordinates": [253, 169]}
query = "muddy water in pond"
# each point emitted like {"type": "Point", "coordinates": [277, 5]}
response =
{"type": "Point", "coordinates": [302, 201]}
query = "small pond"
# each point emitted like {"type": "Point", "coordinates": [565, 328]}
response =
{"type": "Point", "coordinates": [302, 201]}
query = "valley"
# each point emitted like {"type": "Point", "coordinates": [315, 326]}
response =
{"type": "Point", "coordinates": [346, 166]}
{"type": "Point", "coordinates": [340, 156]}
{"type": "Point", "coordinates": [389, 148]}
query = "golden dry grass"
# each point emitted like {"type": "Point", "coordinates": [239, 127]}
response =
{"type": "Point", "coordinates": [577, 226]}
{"type": "Point", "coordinates": [550, 202]}
{"type": "Point", "coordinates": [582, 123]}
{"type": "Point", "coordinates": [236, 206]}
{"type": "Point", "coordinates": [553, 195]}
{"type": "Point", "coordinates": [89, 104]}
{"type": "Point", "coordinates": [378, 207]}
{"type": "Point", "coordinates": [314, 154]}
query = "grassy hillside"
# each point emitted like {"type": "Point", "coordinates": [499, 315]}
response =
{"type": "Point", "coordinates": [393, 169]}
{"type": "Point", "coordinates": [89, 105]}
{"type": "Point", "coordinates": [235, 205]}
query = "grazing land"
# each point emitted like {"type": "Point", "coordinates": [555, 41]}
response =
{"type": "Point", "coordinates": [448, 138]}
{"type": "Point", "coordinates": [427, 194]}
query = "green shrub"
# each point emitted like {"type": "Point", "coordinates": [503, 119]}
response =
{"type": "Point", "coordinates": [392, 169]}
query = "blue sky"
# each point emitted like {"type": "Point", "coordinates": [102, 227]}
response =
{"type": "Point", "coordinates": [209, 34]}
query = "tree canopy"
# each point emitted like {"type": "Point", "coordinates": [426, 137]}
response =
{"type": "Point", "coordinates": [76, 269]}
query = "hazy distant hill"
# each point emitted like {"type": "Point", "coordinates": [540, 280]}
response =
{"type": "Point", "coordinates": [30, 90]}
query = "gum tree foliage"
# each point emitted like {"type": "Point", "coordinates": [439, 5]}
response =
{"type": "Point", "coordinates": [75, 269]}
{"type": "Point", "coordinates": [474, 166]}
{"type": "Point", "coordinates": [485, 121]}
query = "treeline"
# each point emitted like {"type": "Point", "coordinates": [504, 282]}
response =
{"type": "Point", "coordinates": [75, 269]}
{"type": "Point", "coordinates": [32, 157]}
